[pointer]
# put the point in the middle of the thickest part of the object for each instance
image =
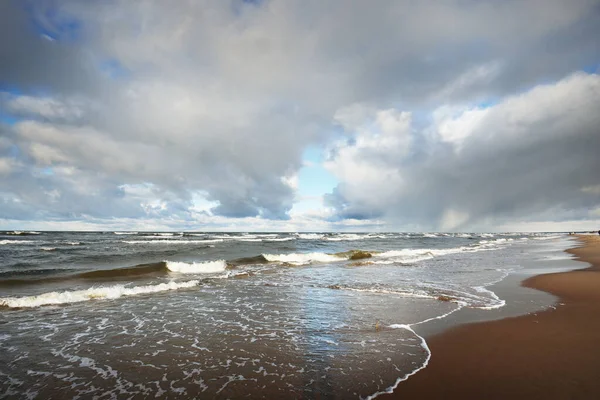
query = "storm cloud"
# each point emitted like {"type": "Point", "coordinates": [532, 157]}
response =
{"type": "Point", "coordinates": [453, 115]}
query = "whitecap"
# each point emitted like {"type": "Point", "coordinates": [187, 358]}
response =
{"type": "Point", "coordinates": [171, 241]}
{"type": "Point", "coordinates": [8, 241]}
{"type": "Point", "coordinates": [310, 236]}
{"type": "Point", "coordinates": [105, 292]}
{"type": "Point", "coordinates": [207, 267]}
{"type": "Point", "coordinates": [303, 258]}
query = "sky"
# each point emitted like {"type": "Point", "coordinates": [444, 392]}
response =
{"type": "Point", "coordinates": [300, 115]}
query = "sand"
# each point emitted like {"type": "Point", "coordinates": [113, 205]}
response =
{"type": "Point", "coordinates": [552, 354]}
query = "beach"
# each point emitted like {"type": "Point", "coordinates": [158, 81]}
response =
{"type": "Point", "coordinates": [552, 354]}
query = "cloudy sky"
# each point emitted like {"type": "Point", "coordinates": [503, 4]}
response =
{"type": "Point", "coordinates": [455, 115]}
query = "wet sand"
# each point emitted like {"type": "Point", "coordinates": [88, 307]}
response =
{"type": "Point", "coordinates": [552, 354]}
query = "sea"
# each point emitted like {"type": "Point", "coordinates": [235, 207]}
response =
{"type": "Point", "coordinates": [111, 315]}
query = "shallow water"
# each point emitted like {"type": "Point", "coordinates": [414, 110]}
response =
{"type": "Point", "coordinates": [235, 315]}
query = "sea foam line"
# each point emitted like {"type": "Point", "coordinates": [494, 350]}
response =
{"type": "Point", "coordinates": [409, 374]}
{"type": "Point", "coordinates": [104, 292]}
{"type": "Point", "coordinates": [424, 345]}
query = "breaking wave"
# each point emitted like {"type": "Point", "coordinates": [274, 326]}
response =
{"type": "Point", "coordinates": [302, 258]}
{"type": "Point", "coordinates": [8, 241]}
{"type": "Point", "coordinates": [310, 236]}
{"type": "Point", "coordinates": [94, 293]}
{"type": "Point", "coordinates": [209, 267]}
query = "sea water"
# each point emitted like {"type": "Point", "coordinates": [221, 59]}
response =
{"type": "Point", "coordinates": [222, 315]}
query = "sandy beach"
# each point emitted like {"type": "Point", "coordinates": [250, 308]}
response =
{"type": "Point", "coordinates": [552, 354]}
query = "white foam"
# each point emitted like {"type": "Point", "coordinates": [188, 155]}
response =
{"type": "Point", "coordinates": [48, 248]}
{"type": "Point", "coordinates": [497, 302]}
{"type": "Point", "coordinates": [208, 267]}
{"type": "Point", "coordinates": [408, 375]}
{"type": "Point", "coordinates": [423, 344]}
{"type": "Point", "coordinates": [346, 237]}
{"type": "Point", "coordinates": [8, 241]}
{"type": "Point", "coordinates": [310, 236]}
{"type": "Point", "coordinates": [125, 233]}
{"type": "Point", "coordinates": [171, 241]}
{"type": "Point", "coordinates": [462, 235]}
{"type": "Point", "coordinates": [303, 258]}
{"type": "Point", "coordinates": [105, 292]}
{"type": "Point", "coordinates": [414, 255]}
{"type": "Point", "coordinates": [548, 237]}
{"type": "Point", "coordinates": [419, 295]}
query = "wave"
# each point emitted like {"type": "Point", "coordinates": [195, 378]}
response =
{"type": "Point", "coordinates": [413, 255]}
{"type": "Point", "coordinates": [462, 235]}
{"type": "Point", "coordinates": [265, 235]}
{"type": "Point", "coordinates": [430, 235]}
{"type": "Point", "coordinates": [94, 293]}
{"type": "Point", "coordinates": [403, 293]}
{"type": "Point", "coordinates": [125, 233]}
{"type": "Point", "coordinates": [310, 236]}
{"type": "Point", "coordinates": [550, 237]}
{"type": "Point", "coordinates": [48, 248]}
{"type": "Point", "coordinates": [14, 241]}
{"type": "Point", "coordinates": [136, 270]}
{"type": "Point", "coordinates": [41, 276]}
{"type": "Point", "coordinates": [388, 257]}
{"type": "Point", "coordinates": [260, 259]}
{"type": "Point", "coordinates": [27, 270]}
{"type": "Point", "coordinates": [22, 233]}
{"type": "Point", "coordinates": [302, 258]}
{"type": "Point", "coordinates": [171, 241]}
{"type": "Point", "coordinates": [208, 267]}
{"type": "Point", "coordinates": [346, 237]}
{"type": "Point", "coordinates": [480, 297]}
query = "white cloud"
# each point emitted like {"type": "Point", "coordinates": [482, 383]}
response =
{"type": "Point", "coordinates": [6, 166]}
{"type": "Point", "coordinates": [223, 98]}
{"type": "Point", "coordinates": [527, 155]}
{"type": "Point", "coordinates": [45, 107]}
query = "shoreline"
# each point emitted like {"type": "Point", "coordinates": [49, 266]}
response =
{"type": "Point", "coordinates": [549, 354]}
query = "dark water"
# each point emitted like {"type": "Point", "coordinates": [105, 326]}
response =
{"type": "Point", "coordinates": [179, 315]}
